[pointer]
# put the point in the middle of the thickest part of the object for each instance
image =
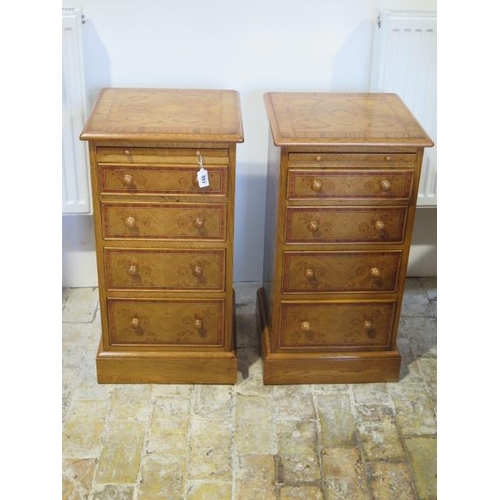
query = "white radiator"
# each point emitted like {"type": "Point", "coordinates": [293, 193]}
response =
{"type": "Point", "coordinates": [76, 193]}
{"type": "Point", "coordinates": [404, 61]}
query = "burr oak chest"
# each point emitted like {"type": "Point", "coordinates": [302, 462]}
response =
{"type": "Point", "coordinates": [343, 174]}
{"type": "Point", "coordinates": [163, 174]}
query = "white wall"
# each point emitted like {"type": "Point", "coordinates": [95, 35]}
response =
{"type": "Point", "coordinates": [253, 46]}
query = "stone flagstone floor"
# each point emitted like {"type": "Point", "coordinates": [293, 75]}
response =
{"type": "Point", "coordinates": [250, 441]}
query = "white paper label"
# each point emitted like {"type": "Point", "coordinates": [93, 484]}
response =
{"type": "Point", "coordinates": [203, 178]}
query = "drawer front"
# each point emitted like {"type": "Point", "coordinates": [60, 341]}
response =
{"type": "Point", "coordinates": [160, 180]}
{"type": "Point", "coordinates": [166, 156]}
{"type": "Point", "coordinates": [165, 269]}
{"type": "Point", "coordinates": [164, 221]}
{"type": "Point", "coordinates": [336, 326]}
{"type": "Point", "coordinates": [163, 322]}
{"type": "Point", "coordinates": [349, 184]}
{"type": "Point", "coordinates": [345, 225]}
{"type": "Point", "coordinates": [305, 272]}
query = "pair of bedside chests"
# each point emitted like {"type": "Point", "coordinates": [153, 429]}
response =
{"type": "Point", "coordinates": [342, 184]}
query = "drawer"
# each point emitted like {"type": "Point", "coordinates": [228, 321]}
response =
{"type": "Point", "coordinates": [345, 224]}
{"type": "Point", "coordinates": [174, 221]}
{"type": "Point", "coordinates": [323, 272]}
{"type": "Point", "coordinates": [349, 184]}
{"type": "Point", "coordinates": [119, 179]}
{"type": "Point", "coordinates": [336, 325]}
{"type": "Point", "coordinates": [164, 269]}
{"type": "Point", "coordinates": [166, 322]}
{"type": "Point", "coordinates": [166, 156]}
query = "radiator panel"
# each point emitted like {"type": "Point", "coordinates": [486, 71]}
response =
{"type": "Point", "coordinates": [76, 194]}
{"type": "Point", "coordinates": [404, 61]}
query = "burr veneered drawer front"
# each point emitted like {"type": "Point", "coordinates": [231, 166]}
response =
{"type": "Point", "coordinates": [174, 221]}
{"type": "Point", "coordinates": [324, 272]}
{"type": "Point", "coordinates": [345, 224]}
{"type": "Point", "coordinates": [166, 156]}
{"type": "Point", "coordinates": [166, 322]}
{"type": "Point", "coordinates": [135, 179]}
{"type": "Point", "coordinates": [159, 269]}
{"type": "Point", "coordinates": [336, 325]}
{"type": "Point", "coordinates": [349, 184]}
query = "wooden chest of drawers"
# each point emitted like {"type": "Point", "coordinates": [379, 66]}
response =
{"type": "Point", "coordinates": [164, 242]}
{"type": "Point", "coordinates": [343, 176]}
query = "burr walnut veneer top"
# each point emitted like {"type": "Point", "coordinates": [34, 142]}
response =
{"type": "Point", "coordinates": [165, 115]}
{"type": "Point", "coordinates": [329, 119]}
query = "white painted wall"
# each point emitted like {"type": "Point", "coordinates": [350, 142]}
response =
{"type": "Point", "coordinates": [253, 46]}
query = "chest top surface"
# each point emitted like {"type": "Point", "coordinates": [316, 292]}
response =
{"type": "Point", "coordinates": [165, 115]}
{"type": "Point", "coordinates": [350, 119]}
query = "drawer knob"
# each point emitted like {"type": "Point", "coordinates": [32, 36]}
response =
{"type": "Point", "coordinates": [318, 158]}
{"type": "Point", "coordinates": [135, 323]}
{"type": "Point", "coordinates": [126, 152]}
{"type": "Point", "coordinates": [385, 185]}
{"type": "Point", "coordinates": [198, 271]}
{"type": "Point", "coordinates": [305, 326]}
{"type": "Point", "coordinates": [199, 223]}
{"type": "Point", "coordinates": [310, 273]}
{"type": "Point", "coordinates": [369, 330]}
{"type": "Point", "coordinates": [313, 226]}
{"type": "Point", "coordinates": [130, 222]}
{"type": "Point", "coordinates": [132, 270]}
{"type": "Point", "coordinates": [379, 226]}
{"type": "Point", "coordinates": [374, 272]}
{"type": "Point", "coordinates": [127, 180]}
{"type": "Point", "coordinates": [198, 324]}
{"type": "Point", "coordinates": [316, 185]}
{"type": "Point", "coordinates": [388, 158]}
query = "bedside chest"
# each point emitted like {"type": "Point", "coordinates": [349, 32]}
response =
{"type": "Point", "coordinates": [164, 234]}
{"type": "Point", "coordinates": [343, 174]}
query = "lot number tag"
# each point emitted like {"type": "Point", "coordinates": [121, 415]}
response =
{"type": "Point", "coordinates": [202, 175]}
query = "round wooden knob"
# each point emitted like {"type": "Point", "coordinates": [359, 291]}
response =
{"type": "Point", "coordinates": [385, 185]}
{"type": "Point", "coordinates": [127, 180]}
{"type": "Point", "coordinates": [374, 272]}
{"type": "Point", "coordinates": [379, 225]}
{"type": "Point", "coordinates": [309, 273]}
{"type": "Point", "coordinates": [313, 226]}
{"type": "Point", "coordinates": [388, 158]}
{"type": "Point", "coordinates": [198, 153]}
{"type": "Point", "coordinates": [198, 324]}
{"type": "Point", "coordinates": [135, 323]}
{"type": "Point", "coordinates": [198, 271]}
{"type": "Point", "coordinates": [318, 158]}
{"type": "Point", "coordinates": [369, 330]}
{"type": "Point", "coordinates": [132, 270]}
{"type": "Point", "coordinates": [316, 185]}
{"type": "Point", "coordinates": [130, 222]}
{"type": "Point", "coordinates": [126, 152]}
{"type": "Point", "coordinates": [199, 223]}
{"type": "Point", "coordinates": [305, 326]}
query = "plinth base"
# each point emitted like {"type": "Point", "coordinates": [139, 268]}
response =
{"type": "Point", "coordinates": [165, 368]}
